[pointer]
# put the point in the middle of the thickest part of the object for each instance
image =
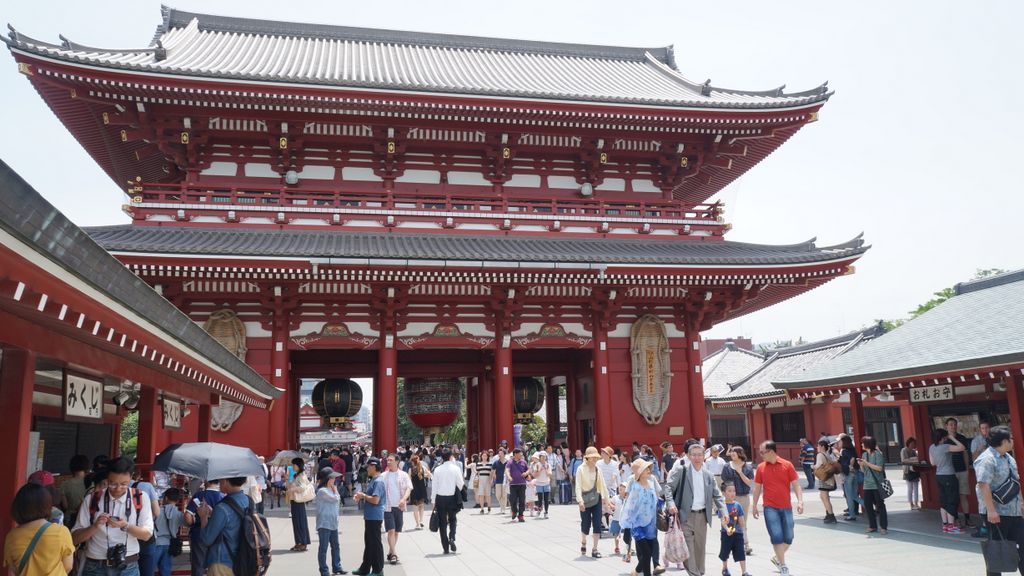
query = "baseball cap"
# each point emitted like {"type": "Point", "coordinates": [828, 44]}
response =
{"type": "Point", "coordinates": [326, 473]}
{"type": "Point", "coordinates": [375, 462]}
{"type": "Point", "coordinates": [41, 477]}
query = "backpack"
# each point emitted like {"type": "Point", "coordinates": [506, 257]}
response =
{"type": "Point", "coordinates": [253, 555]}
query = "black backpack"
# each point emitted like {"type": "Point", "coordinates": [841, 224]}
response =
{"type": "Point", "coordinates": [253, 556]}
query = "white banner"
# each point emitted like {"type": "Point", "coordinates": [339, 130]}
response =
{"type": "Point", "coordinates": [83, 397]}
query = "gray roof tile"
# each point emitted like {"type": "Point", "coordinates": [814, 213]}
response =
{"type": "Point", "coordinates": [26, 215]}
{"type": "Point", "coordinates": [981, 327]}
{"type": "Point", "coordinates": [725, 366]}
{"type": "Point", "coordinates": [494, 248]}
{"type": "Point", "coordinates": [248, 49]}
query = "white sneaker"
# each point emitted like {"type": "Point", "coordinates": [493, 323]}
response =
{"type": "Point", "coordinates": [784, 570]}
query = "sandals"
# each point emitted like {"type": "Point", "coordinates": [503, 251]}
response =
{"type": "Point", "coordinates": [595, 554]}
{"type": "Point", "coordinates": [871, 530]}
{"type": "Point", "coordinates": [583, 550]}
{"type": "Point", "coordinates": [628, 557]}
{"type": "Point", "coordinates": [393, 559]}
{"type": "Point", "coordinates": [617, 551]}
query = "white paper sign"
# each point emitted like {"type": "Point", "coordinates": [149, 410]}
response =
{"type": "Point", "coordinates": [172, 414]}
{"type": "Point", "coordinates": [932, 393]}
{"type": "Point", "coordinates": [83, 397]}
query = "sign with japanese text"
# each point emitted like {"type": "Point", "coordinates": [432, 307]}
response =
{"type": "Point", "coordinates": [932, 393]}
{"type": "Point", "coordinates": [83, 397]}
{"type": "Point", "coordinates": [172, 414]}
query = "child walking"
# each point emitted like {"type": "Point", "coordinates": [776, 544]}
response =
{"type": "Point", "coordinates": [167, 525]}
{"type": "Point", "coordinates": [616, 528]}
{"type": "Point", "coordinates": [732, 535]}
{"type": "Point", "coordinates": [327, 500]}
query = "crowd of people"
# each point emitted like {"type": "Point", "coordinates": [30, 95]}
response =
{"type": "Point", "coordinates": [108, 518]}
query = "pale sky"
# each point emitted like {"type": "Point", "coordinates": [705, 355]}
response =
{"type": "Point", "coordinates": [916, 149]}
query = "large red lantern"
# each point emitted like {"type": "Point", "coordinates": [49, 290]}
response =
{"type": "Point", "coordinates": [432, 403]}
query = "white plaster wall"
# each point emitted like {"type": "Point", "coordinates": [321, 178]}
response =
{"type": "Point", "coordinates": [221, 169]}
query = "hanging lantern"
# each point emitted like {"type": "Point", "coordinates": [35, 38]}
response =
{"type": "Point", "coordinates": [432, 403]}
{"type": "Point", "coordinates": [529, 397]}
{"type": "Point", "coordinates": [337, 400]}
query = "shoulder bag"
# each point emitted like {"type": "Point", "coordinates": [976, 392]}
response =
{"type": "Point", "coordinates": [591, 498]}
{"type": "Point", "coordinates": [884, 486]}
{"type": "Point", "coordinates": [1000, 555]}
{"type": "Point", "coordinates": [1008, 490]}
{"type": "Point", "coordinates": [31, 547]}
{"type": "Point", "coordinates": [305, 493]}
{"type": "Point", "coordinates": [825, 470]}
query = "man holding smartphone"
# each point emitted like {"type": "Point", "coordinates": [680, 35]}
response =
{"type": "Point", "coordinates": [113, 522]}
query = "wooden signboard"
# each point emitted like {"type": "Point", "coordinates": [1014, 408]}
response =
{"type": "Point", "coordinates": [83, 397]}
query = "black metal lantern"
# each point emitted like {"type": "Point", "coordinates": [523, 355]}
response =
{"type": "Point", "coordinates": [337, 400]}
{"type": "Point", "coordinates": [529, 397]}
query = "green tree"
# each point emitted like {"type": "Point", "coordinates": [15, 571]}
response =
{"type": "Point", "coordinates": [938, 298]}
{"type": "Point", "coordinates": [536, 432]}
{"type": "Point", "coordinates": [129, 434]}
{"type": "Point", "coordinates": [456, 433]}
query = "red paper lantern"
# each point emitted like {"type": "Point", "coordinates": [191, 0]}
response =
{"type": "Point", "coordinates": [432, 403]}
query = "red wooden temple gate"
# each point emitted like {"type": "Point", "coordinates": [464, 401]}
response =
{"type": "Point", "coordinates": [393, 204]}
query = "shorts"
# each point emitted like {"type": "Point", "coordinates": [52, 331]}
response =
{"type": "Point", "coordinates": [394, 518]}
{"type": "Point", "coordinates": [615, 528]}
{"type": "Point", "coordinates": [779, 522]}
{"type": "Point", "coordinates": [543, 488]}
{"type": "Point", "coordinates": [962, 478]}
{"type": "Point", "coordinates": [591, 519]}
{"type": "Point", "coordinates": [732, 543]}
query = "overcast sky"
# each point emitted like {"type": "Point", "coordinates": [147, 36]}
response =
{"type": "Point", "coordinates": [916, 149]}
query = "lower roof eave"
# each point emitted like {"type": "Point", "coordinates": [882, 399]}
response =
{"type": "Point", "coordinates": [751, 400]}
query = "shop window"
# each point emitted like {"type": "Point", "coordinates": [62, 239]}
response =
{"type": "Point", "coordinates": [788, 426]}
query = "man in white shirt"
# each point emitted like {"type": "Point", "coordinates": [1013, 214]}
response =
{"type": "Point", "coordinates": [693, 492]}
{"type": "Point", "coordinates": [398, 487]}
{"type": "Point", "coordinates": [609, 469]}
{"type": "Point", "coordinates": [113, 523]}
{"type": "Point", "coordinates": [448, 482]}
{"type": "Point", "coordinates": [715, 463]}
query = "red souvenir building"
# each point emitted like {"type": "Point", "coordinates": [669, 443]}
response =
{"type": "Point", "coordinates": [369, 203]}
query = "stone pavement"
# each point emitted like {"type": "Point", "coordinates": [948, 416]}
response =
{"type": "Point", "coordinates": [492, 545]}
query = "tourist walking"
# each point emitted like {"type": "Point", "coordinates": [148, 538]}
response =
{"type": "Point", "coordinates": [300, 492]}
{"type": "Point", "coordinates": [715, 464]}
{"type": "Point", "coordinates": [222, 526]}
{"type": "Point", "coordinates": [961, 461]}
{"type": "Point", "coordinates": [732, 532]}
{"type": "Point", "coordinates": [995, 469]}
{"type": "Point", "coordinates": [419, 474]}
{"type": "Point", "coordinates": [826, 486]}
{"type": "Point", "coordinates": [37, 547]}
{"type": "Point", "coordinates": [692, 492]}
{"type": "Point", "coordinates": [518, 474]}
{"type": "Point", "coordinates": [640, 514]}
{"type": "Point", "coordinates": [608, 466]}
{"type": "Point", "coordinates": [498, 479]}
{"type": "Point", "coordinates": [808, 455]}
{"type": "Point", "coordinates": [211, 496]}
{"type": "Point", "coordinates": [166, 526]}
{"type": "Point", "coordinates": [872, 462]}
{"type": "Point", "coordinates": [941, 455]}
{"type": "Point", "coordinates": [373, 499]}
{"type": "Point", "coordinates": [591, 492]}
{"type": "Point", "coordinates": [448, 483]}
{"type": "Point", "coordinates": [909, 457]}
{"type": "Point", "coordinates": [774, 477]}
{"type": "Point", "coordinates": [741, 474]}
{"type": "Point", "coordinates": [540, 472]}
{"type": "Point", "coordinates": [397, 488]}
{"type": "Point", "coordinates": [482, 490]}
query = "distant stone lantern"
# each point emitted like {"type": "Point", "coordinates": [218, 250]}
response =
{"type": "Point", "coordinates": [337, 400]}
{"type": "Point", "coordinates": [529, 397]}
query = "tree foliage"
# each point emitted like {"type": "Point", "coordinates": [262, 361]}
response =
{"type": "Point", "coordinates": [937, 298]}
{"type": "Point", "coordinates": [536, 432]}
{"type": "Point", "coordinates": [129, 439]}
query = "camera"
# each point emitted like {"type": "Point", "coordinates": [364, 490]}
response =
{"type": "Point", "coordinates": [116, 555]}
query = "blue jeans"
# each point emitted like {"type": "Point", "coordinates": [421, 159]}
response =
{"type": "Point", "coordinates": [809, 473]}
{"type": "Point", "coordinates": [96, 568]}
{"type": "Point", "coordinates": [147, 559]}
{"type": "Point", "coordinates": [328, 537]}
{"type": "Point", "coordinates": [779, 522]}
{"type": "Point", "coordinates": [851, 488]}
{"type": "Point", "coordinates": [162, 560]}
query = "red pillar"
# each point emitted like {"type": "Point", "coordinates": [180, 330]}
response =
{"type": "Point", "coordinates": [1013, 396]}
{"type": "Point", "coordinates": [572, 423]}
{"type": "Point", "coordinates": [503, 391]}
{"type": "Point", "coordinates": [472, 417]}
{"type": "Point", "coordinates": [17, 377]}
{"type": "Point", "coordinates": [857, 416]}
{"type": "Point", "coordinates": [149, 426]}
{"type": "Point", "coordinates": [486, 386]}
{"type": "Point", "coordinates": [695, 381]}
{"type": "Point", "coordinates": [602, 387]}
{"type": "Point", "coordinates": [551, 410]}
{"type": "Point", "coordinates": [385, 399]}
{"type": "Point", "coordinates": [809, 423]}
{"type": "Point", "coordinates": [205, 415]}
{"type": "Point", "coordinates": [279, 376]}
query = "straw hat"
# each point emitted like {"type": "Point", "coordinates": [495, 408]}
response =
{"type": "Point", "coordinates": [608, 450]}
{"type": "Point", "coordinates": [591, 453]}
{"type": "Point", "coordinates": [535, 456]}
{"type": "Point", "coordinates": [639, 465]}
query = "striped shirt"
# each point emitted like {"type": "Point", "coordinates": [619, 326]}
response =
{"type": "Point", "coordinates": [483, 469]}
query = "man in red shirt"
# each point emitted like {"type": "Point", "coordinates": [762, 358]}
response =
{"type": "Point", "coordinates": [775, 476]}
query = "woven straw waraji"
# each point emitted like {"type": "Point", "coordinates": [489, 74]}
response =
{"type": "Point", "coordinates": [651, 368]}
{"type": "Point", "coordinates": [226, 328]}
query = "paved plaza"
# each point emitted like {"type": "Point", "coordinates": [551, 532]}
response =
{"type": "Point", "coordinates": [492, 545]}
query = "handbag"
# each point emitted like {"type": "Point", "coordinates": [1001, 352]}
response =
{"type": "Point", "coordinates": [676, 551]}
{"type": "Point", "coordinates": [884, 486]}
{"type": "Point", "coordinates": [433, 520]}
{"type": "Point", "coordinates": [591, 498]}
{"type": "Point", "coordinates": [828, 484]}
{"type": "Point", "coordinates": [1000, 555]}
{"type": "Point", "coordinates": [911, 475]}
{"type": "Point", "coordinates": [663, 520]}
{"type": "Point", "coordinates": [307, 494]}
{"type": "Point", "coordinates": [31, 547]}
